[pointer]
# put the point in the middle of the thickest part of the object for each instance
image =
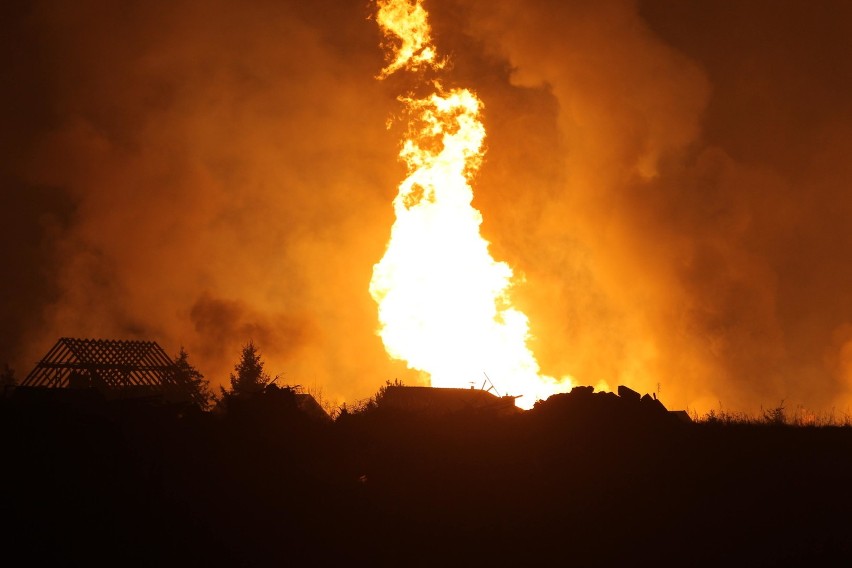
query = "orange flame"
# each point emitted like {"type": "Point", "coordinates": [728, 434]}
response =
{"type": "Point", "coordinates": [406, 23]}
{"type": "Point", "coordinates": [444, 304]}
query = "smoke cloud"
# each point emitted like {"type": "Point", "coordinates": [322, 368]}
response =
{"type": "Point", "coordinates": [670, 178]}
{"type": "Point", "coordinates": [695, 239]}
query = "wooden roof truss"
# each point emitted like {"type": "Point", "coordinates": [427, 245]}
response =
{"type": "Point", "coordinates": [103, 363]}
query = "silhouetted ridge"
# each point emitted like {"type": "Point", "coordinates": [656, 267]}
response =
{"type": "Point", "coordinates": [584, 478]}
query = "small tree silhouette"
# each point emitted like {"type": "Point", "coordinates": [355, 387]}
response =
{"type": "Point", "coordinates": [191, 378]}
{"type": "Point", "coordinates": [248, 376]}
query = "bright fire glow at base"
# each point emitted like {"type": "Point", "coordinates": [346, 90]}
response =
{"type": "Point", "coordinates": [444, 305]}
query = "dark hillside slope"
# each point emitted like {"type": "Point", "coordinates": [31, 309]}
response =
{"type": "Point", "coordinates": [581, 479]}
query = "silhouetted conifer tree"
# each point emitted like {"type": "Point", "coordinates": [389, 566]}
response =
{"type": "Point", "coordinates": [191, 378]}
{"type": "Point", "coordinates": [248, 376]}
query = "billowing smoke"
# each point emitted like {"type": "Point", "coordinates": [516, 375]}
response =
{"type": "Point", "coordinates": [201, 173]}
{"type": "Point", "coordinates": [691, 230]}
{"type": "Point", "coordinates": [670, 177]}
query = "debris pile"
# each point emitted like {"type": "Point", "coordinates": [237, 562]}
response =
{"type": "Point", "coordinates": [627, 404]}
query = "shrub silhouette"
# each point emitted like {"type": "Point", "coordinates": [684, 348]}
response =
{"type": "Point", "coordinates": [775, 416]}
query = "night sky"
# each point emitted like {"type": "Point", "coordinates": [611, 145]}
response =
{"type": "Point", "coordinates": [670, 177]}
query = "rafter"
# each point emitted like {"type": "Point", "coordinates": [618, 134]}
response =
{"type": "Point", "coordinates": [102, 363]}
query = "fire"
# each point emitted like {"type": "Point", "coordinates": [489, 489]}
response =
{"type": "Point", "coordinates": [407, 24]}
{"type": "Point", "coordinates": [444, 304]}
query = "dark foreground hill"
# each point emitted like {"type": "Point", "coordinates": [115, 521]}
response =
{"type": "Point", "coordinates": [581, 480]}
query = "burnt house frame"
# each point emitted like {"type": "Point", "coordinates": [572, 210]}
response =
{"type": "Point", "coordinates": [106, 365]}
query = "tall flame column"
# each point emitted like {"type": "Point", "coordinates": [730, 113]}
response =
{"type": "Point", "coordinates": [443, 300]}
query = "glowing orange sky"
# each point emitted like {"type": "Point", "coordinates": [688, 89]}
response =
{"type": "Point", "coordinates": [670, 178]}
